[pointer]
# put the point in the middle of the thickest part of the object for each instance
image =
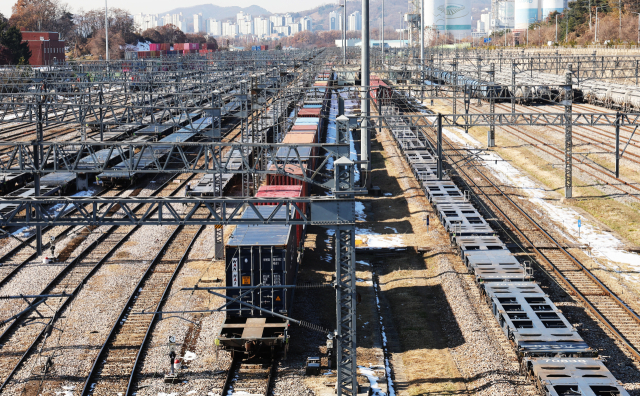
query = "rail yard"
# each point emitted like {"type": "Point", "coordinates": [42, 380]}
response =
{"type": "Point", "coordinates": [316, 222]}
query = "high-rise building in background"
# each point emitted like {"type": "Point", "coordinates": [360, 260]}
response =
{"type": "Point", "coordinates": [198, 23]}
{"type": "Point", "coordinates": [214, 27]}
{"type": "Point", "coordinates": [288, 19]}
{"type": "Point", "coordinates": [262, 27]}
{"type": "Point", "coordinates": [147, 21]}
{"type": "Point", "coordinates": [355, 21]}
{"type": "Point", "coordinates": [229, 29]}
{"type": "Point", "coordinates": [335, 20]}
{"type": "Point", "coordinates": [306, 24]}
{"type": "Point", "coordinates": [277, 20]}
{"type": "Point", "coordinates": [244, 24]}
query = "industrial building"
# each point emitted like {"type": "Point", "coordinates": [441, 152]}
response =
{"type": "Point", "coordinates": [46, 47]}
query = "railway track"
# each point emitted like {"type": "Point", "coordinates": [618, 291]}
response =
{"type": "Point", "coordinates": [253, 377]}
{"type": "Point", "coordinates": [594, 170]}
{"type": "Point", "coordinates": [114, 369]}
{"type": "Point", "coordinates": [18, 342]}
{"type": "Point", "coordinates": [15, 259]}
{"type": "Point", "coordinates": [553, 256]}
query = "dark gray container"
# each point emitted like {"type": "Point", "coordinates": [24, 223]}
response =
{"type": "Point", "coordinates": [261, 255]}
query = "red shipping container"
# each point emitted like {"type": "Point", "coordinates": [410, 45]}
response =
{"type": "Point", "coordinates": [309, 113]}
{"type": "Point", "coordinates": [283, 180]}
{"type": "Point", "coordinates": [153, 46]}
{"type": "Point", "coordinates": [301, 128]}
{"type": "Point", "coordinates": [283, 192]}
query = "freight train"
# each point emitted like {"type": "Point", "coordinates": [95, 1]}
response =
{"type": "Point", "coordinates": [261, 261]}
{"type": "Point", "coordinates": [551, 352]}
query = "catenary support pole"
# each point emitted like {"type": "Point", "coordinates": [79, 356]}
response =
{"type": "Point", "coordinates": [491, 134]}
{"type": "Point", "coordinates": [36, 163]}
{"type": "Point", "coordinates": [106, 28]}
{"type": "Point", "coordinates": [382, 44]}
{"type": "Point", "coordinates": [618, 115]}
{"type": "Point", "coordinates": [344, 33]}
{"type": "Point", "coordinates": [422, 17]}
{"type": "Point", "coordinates": [568, 144]}
{"type": "Point", "coordinates": [439, 148]}
{"type": "Point", "coordinates": [365, 141]}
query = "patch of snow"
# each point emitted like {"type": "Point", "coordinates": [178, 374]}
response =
{"type": "Point", "coordinates": [140, 46]}
{"type": "Point", "coordinates": [193, 392]}
{"type": "Point", "coordinates": [373, 380]}
{"type": "Point", "coordinates": [189, 356]}
{"type": "Point", "coordinates": [382, 241]}
{"type": "Point", "coordinates": [67, 391]}
{"type": "Point", "coordinates": [602, 243]}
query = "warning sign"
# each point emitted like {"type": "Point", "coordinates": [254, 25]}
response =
{"type": "Point", "coordinates": [218, 226]}
{"type": "Point", "coordinates": [246, 280]}
{"type": "Point", "coordinates": [278, 298]}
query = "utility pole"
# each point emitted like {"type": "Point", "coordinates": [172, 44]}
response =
{"type": "Point", "coordinates": [422, 34]}
{"type": "Point", "coordinates": [568, 144]}
{"type": "Point", "coordinates": [344, 33]}
{"type": "Point", "coordinates": [106, 28]}
{"type": "Point", "coordinates": [620, 20]}
{"type": "Point", "coordinates": [556, 28]}
{"type": "Point", "coordinates": [491, 134]}
{"type": "Point", "coordinates": [365, 141]}
{"type": "Point", "coordinates": [618, 116]}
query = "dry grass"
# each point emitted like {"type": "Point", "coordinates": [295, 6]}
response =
{"type": "Point", "coordinates": [416, 303]}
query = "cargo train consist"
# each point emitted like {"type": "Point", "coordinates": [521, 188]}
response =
{"type": "Point", "coordinates": [551, 352]}
{"type": "Point", "coordinates": [262, 261]}
{"type": "Point", "coordinates": [535, 87]}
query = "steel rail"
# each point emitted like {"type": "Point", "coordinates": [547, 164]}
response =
{"type": "Point", "coordinates": [13, 326]}
{"type": "Point", "coordinates": [158, 308]}
{"type": "Point", "coordinates": [634, 351]}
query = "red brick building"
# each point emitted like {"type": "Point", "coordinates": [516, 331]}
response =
{"type": "Point", "coordinates": [44, 46]}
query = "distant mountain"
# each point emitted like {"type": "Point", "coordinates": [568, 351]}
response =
{"type": "Point", "coordinates": [217, 12]}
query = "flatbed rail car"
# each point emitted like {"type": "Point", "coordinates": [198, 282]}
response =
{"type": "Point", "coordinates": [205, 187]}
{"type": "Point", "coordinates": [263, 257]}
{"type": "Point", "coordinates": [534, 325]}
{"type": "Point", "coordinates": [144, 159]}
{"type": "Point", "coordinates": [572, 376]}
{"type": "Point", "coordinates": [25, 192]}
{"type": "Point", "coordinates": [537, 330]}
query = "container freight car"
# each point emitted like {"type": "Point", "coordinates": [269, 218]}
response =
{"type": "Point", "coordinates": [261, 261]}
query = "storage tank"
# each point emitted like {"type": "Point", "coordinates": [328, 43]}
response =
{"type": "Point", "coordinates": [506, 10]}
{"type": "Point", "coordinates": [549, 6]}
{"type": "Point", "coordinates": [458, 17]}
{"type": "Point", "coordinates": [434, 15]}
{"type": "Point", "coordinates": [526, 13]}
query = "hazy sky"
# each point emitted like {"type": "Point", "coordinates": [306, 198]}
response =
{"type": "Point", "coordinates": [159, 6]}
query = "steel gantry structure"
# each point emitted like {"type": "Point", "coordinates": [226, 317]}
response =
{"type": "Point", "coordinates": [171, 94]}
